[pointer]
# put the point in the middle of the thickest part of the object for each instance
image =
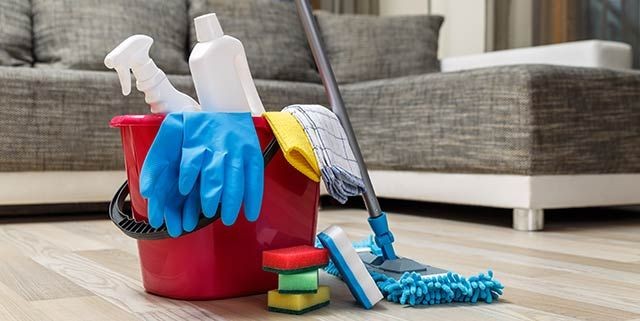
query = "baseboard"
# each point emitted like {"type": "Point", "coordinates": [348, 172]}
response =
{"type": "Point", "coordinates": [58, 187]}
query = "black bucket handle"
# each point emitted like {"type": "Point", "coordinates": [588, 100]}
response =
{"type": "Point", "coordinates": [141, 230]}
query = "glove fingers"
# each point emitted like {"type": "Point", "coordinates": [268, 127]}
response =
{"type": "Point", "coordinates": [211, 182]}
{"type": "Point", "coordinates": [190, 166]}
{"type": "Point", "coordinates": [233, 191]}
{"type": "Point", "coordinates": [173, 213]}
{"type": "Point", "coordinates": [165, 146]}
{"type": "Point", "coordinates": [155, 209]}
{"type": "Point", "coordinates": [191, 210]}
{"type": "Point", "coordinates": [254, 186]}
{"type": "Point", "coordinates": [158, 198]}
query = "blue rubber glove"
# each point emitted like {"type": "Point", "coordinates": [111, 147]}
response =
{"type": "Point", "coordinates": [222, 150]}
{"type": "Point", "coordinates": [159, 181]}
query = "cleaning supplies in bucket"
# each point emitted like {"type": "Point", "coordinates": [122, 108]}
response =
{"type": "Point", "coordinates": [204, 264]}
{"type": "Point", "coordinates": [221, 160]}
{"type": "Point", "coordinates": [340, 171]}
{"type": "Point", "coordinates": [199, 160]}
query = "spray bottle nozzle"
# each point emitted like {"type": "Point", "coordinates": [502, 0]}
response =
{"type": "Point", "coordinates": [132, 52]}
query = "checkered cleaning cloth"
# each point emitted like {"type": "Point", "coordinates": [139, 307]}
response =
{"type": "Point", "coordinates": [339, 168]}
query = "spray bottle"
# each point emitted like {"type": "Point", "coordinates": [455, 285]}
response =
{"type": "Point", "coordinates": [133, 54]}
{"type": "Point", "coordinates": [220, 70]}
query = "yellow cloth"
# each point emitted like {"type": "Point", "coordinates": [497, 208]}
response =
{"type": "Point", "coordinates": [294, 143]}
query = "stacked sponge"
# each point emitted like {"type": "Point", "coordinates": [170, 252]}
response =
{"type": "Point", "coordinates": [298, 290]}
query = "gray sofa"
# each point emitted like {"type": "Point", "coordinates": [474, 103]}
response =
{"type": "Point", "coordinates": [510, 121]}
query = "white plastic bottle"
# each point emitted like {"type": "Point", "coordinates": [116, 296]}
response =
{"type": "Point", "coordinates": [133, 54]}
{"type": "Point", "coordinates": [220, 70]}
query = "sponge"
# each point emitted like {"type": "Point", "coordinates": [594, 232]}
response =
{"type": "Point", "coordinates": [293, 260]}
{"type": "Point", "coordinates": [297, 303]}
{"type": "Point", "coordinates": [305, 282]}
{"type": "Point", "coordinates": [351, 268]}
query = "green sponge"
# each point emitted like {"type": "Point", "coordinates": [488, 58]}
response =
{"type": "Point", "coordinates": [306, 282]}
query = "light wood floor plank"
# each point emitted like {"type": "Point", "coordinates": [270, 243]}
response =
{"type": "Point", "coordinates": [120, 290]}
{"type": "Point", "coordinates": [34, 282]}
{"type": "Point", "coordinates": [89, 308]}
{"type": "Point", "coordinates": [102, 231]}
{"type": "Point", "coordinates": [15, 308]}
{"type": "Point", "coordinates": [565, 307]}
{"type": "Point", "coordinates": [116, 260]}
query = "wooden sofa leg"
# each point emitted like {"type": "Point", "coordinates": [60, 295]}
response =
{"type": "Point", "coordinates": [528, 219]}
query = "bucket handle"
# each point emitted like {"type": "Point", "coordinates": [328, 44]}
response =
{"type": "Point", "coordinates": [141, 230]}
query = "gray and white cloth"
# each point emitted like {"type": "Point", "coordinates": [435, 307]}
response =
{"type": "Point", "coordinates": [338, 167]}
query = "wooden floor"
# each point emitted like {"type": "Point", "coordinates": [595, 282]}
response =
{"type": "Point", "coordinates": [87, 270]}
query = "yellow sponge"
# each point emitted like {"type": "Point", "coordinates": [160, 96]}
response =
{"type": "Point", "coordinates": [298, 303]}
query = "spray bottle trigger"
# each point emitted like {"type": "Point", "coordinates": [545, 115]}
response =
{"type": "Point", "coordinates": [125, 79]}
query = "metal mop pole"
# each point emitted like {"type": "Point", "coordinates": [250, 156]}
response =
{"type": "Point", "coordinates": [377, 218]}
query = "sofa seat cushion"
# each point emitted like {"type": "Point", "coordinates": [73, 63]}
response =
{"type": "Point", "coordinates": [53, 120]}
{"type": "Point", "coordinates": [15, 33]}
{"type": "Point", "coordinates": [520, 119]}
{"type": "Point", "coordinates": [78, 34]}
{"type": "Point", "coordinates": [271, 33]}
{"type": "Point", "coordinates": [363, 47]}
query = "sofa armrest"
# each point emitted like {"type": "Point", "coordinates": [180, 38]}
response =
{"type": "Point", "coordinates": [589, 53]}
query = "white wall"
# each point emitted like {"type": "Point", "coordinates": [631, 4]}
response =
{"type": "Point", "coordinates": [400, 7]}
{"type": "Point", "coordinates": [463, 31]}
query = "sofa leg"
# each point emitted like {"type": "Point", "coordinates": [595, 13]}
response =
{"type": "Point", "coordinates": [528, 219]}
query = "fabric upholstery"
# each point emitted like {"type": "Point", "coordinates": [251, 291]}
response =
{"type": "Point", "coordinates": [58, 119]}
{"type": "Point", "coordinates": [522, 119]}
{"type": "Point", "coordinates": [15, 33]}
{"type": "Point", "coordinates": [362, 47]}
{"type": "Point", "coordinates": [78, 34]}
{"type": "Point", "coordinates": [271, 33]}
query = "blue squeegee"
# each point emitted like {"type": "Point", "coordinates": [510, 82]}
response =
{"type": "Point", "coordinates": [400, 279]}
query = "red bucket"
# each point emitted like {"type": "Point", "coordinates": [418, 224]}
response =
{"type": "Point", "coordinates": [218, 261]}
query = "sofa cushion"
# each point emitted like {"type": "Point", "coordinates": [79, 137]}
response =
{"type": "Point", "coordinates": [362, 47]}
{"type": "Point", "coordinates": [58, 120]}
{"type": "Point", "coordinates": [520, 119]}
{"type": "Point", "coordinates": [271, 33]}
{"type": "Point", "coordinates": [78, 34]}
{"type": "Point", "coordinates": [15, 33]}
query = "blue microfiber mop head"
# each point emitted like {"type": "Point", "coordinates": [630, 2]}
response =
{"type": "Point", "coordinates": [415, 289]}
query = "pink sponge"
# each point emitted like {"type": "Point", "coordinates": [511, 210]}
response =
{"type": "Point", "coordinates": [295, 259]}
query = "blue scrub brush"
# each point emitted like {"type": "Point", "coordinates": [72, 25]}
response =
{"type": "Point", "coordinates": [351, 268]}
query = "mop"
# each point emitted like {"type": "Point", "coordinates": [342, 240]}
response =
{"type": "Point", "coordinates": [400, 279]}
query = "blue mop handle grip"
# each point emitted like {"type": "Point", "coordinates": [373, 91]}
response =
{"type": "Point", "coordinates": [383, 236]}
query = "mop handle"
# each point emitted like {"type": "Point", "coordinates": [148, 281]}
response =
{"type": "Point", "coordinates": [335, 99]}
